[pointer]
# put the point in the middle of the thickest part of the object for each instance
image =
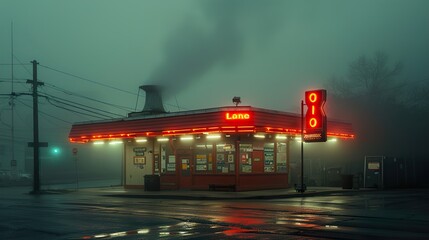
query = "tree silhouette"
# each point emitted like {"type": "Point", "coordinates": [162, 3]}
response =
{"type": "Point", "coordinates": [389, 115]}
{"type": "Point", "coordinates": [371, 78]}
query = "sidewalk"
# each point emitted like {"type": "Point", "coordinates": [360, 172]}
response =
{"type": "Point", "coordinates": [120, 192]}
{"type": "Point", "coordinates": [213, 195]}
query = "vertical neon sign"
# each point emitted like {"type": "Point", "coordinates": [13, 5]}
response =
{"type": "Point", "coordinates": [315, 118]}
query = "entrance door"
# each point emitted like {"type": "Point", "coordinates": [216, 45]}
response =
{"type": "Point", "coordinates": [185, 170]}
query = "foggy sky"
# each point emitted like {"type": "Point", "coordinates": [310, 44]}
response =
{"type": "Point", "coordinates": [267, 52]}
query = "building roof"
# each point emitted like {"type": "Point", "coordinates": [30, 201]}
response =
{"type": "Point", "coordinates": [240, 119]}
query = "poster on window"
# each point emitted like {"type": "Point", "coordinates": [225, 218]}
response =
{"type": "Point", "coordinates": [269, 156]}
{"type": "Point", "coordinates": [281, 147]}
{"type": "Point", "coordinates": [201, 167]}
{"type": "Point", "coordinates": [228, 147]}
{"type": "Point", "coordinates": [246, 168]}
{"type": "Point", "coordinates": [244, 157]}
{"type": "Point", "coordinates": [220, 148]}
{"type": "Point", "coordinates": [171, 164]}
{"type": "Point", "coordinates": [281, 168]}
{"type": "Point", "coordinates": [246, 148]}
{"type": "Point", "coordinates": [163, 159]}
{"type": "Point", "coordinates": [156, 163]}
{"type": "Point", "coordinates": [201, 159]}
{"type": "Point", "coordinates": [201, 162]}
{"type": "Point", "coordinates": [222, 168]}
{"type": "Point", "coordinates": [268, 163]}
{"type": "Point", "coordinates": [230, 158]}
{"type": "Point", "coordinates": [140, 160]}
{"type": "Point", "coordinates": [172, 159]}
{"type": "Point", "coordinates": [220, 157]}
{"type": "Point", "coordinates": [231, 168]}
{"type": "Point", "coordinates": [281, 157]}
{"type": "Point", "coordinates": [171, 167]}
{"type": "Point", "coordinates": [185, 164]}
{"type": "Point", "coordinates": [268, 169]}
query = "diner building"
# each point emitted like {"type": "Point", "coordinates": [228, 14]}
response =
{"type": "Point", "coordinates": [236, 147]}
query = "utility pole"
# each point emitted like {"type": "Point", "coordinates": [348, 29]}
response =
{"type": "Point", "coordinates": [12, 104]}
{"type": "Point", "coordinates": [35, 83]}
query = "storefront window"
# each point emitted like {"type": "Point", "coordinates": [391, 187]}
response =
{"type": "Point", "coordinates": [281, 157]}
{"type": "Point", "coordinates": [269, 163]}
{"type": "Point", "coordinates": [171, 163]}
{"type": "Point", "coordinates": [246, 158]}
{"type": "Point", "coordinates": [225, 162]}
{"type": "Point", "coordinates": [156, 164]}
{"type": "Point", "coordinates": [168, 160]}
{"type": "Point", "coordinates": [203, 158]}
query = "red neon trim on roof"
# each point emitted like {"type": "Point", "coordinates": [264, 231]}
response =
{"type": "Point", "coordinates": [198, 122]}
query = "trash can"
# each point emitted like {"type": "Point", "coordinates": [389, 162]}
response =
{"type": "Point", "coordinates": [347, 181]}
{"type": "Point", "coordinates": [356, 181]}
{"type": "Point", "coordinates": [151, 183]}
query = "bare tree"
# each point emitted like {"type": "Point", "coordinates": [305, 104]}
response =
{"type": "Point", "coordinates": [417, 96]}
{"type": "Point", "coordinates": [372, 78]}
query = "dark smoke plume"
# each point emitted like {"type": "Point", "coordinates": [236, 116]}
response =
{"type": "Point", "coordinates": [192, 50]}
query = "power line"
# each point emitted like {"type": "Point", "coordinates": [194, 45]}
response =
{"type": "Point", "coordinates": [94, 82]}
{"type": "Point", "coordinates": [46, 114]}
{"type": "Point", "coordinates": [20, 139]}
{"type": "Point", "coordinates": [23, 65]}
{"type": "Point", "coordinates": [86, 79]}
{"type": "Point", "coordinates": [98, 83]}
{"type": "Point", "coordinates": [77, 105]}
{"type": "Point", "coordinates": [53, 100]}
{"type": "Point", "coordinates": [10, 79]}
{"type": "Point", "coordinates": [81, 113]}
{"type": "Point", "coordinates": [10, 64]}
{"type": "Point", "coordinates": [85, 97]}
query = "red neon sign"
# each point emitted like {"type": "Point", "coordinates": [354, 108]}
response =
{"type": "Point", "coordinates": [315, 118]}
{"type": "Point", "coordinates": [234, 116]}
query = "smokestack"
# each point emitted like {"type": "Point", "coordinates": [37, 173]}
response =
{"type": "Point", "coordinates": [153, 103]}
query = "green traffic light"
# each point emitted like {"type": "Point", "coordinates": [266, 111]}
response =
{"type": "Point", "coordinates": [56, 150]}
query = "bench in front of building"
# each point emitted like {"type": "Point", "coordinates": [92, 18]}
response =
{"type": "Point", "coordinates": [215, 187]}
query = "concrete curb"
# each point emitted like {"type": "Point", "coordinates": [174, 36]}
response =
{"type": "Point", "coordinates": [221, 196]}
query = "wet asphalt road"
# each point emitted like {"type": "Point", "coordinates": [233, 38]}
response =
{"type": "Point", "coordinates": [399, 214]}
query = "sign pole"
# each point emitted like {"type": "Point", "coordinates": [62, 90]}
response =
{"type": "Point", "coordinates": [302, 188]}
{"type": "Point", "coordinates": [315, 124]}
